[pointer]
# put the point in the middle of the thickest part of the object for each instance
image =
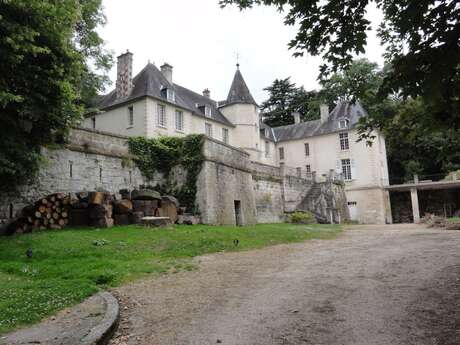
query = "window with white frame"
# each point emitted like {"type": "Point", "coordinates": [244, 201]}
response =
{"type": "Point", "coordinates": [267, 149]}
{"type": "Point", "coordinates": [179, 120]}
{"type": "Point", "coordinates": [130, 116]}
{"type": "Point", "coordinates": [207, 111]}
{"type": "Point", "coordinates": [225, 135]}
{"type": "Point", "coordinates": [161, 115]}
{"type": "Point", "coordinates": [346, 169]}
{"type": "Point", "coordinates": [307, 149]}
{"type": "Point", "coordinates": [343, 123]}
{"type": "Point", "coordinates": [308, 170]}
{"type": "Point", "coordinates": [208, 129]}
{"type": "Point", "coordinates": [344, 144]}
{"type": "Point", "coordinates": [281, 153]}
{"type": "Point", "coordinates": [170, 95]}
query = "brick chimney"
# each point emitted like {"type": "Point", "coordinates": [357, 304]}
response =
{"type": "Point", "coordinates": [124, 82]}
{"type": "Point", "coordinates": [324, 112]}
{"type": "Point", "coordinates": [296, 116]}
{"type": "Point", "coordinates": [166, 70]}
{"type": "Point", "coordinates": [207, 93]}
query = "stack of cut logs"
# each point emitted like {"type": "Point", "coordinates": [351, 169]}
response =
{"type": "Point", "coordinates": [93, 208]}
{"type": "Point", "coordinates": [51, 212]}
{"type": "Point", "coordinates": [97, 209]}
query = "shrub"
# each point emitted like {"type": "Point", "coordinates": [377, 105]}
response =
{"type": "Point", "coordinates": [303, 218]}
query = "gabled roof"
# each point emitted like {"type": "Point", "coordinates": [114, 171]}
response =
{"type": "Point", "coordinates": [150, 82]}
{"type": "Point", "coordinates": [239, 91]}
{"type": "Point", "coordinates": [343, 110]}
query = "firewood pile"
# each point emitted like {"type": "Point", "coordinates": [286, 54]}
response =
{"type": "Point", "coordinates": [98, 209]}
{"type": "Point", "coordinates": [50, 212]}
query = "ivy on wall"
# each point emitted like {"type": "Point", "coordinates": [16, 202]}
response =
{"type": "Point", "coordinates": [162, 154]}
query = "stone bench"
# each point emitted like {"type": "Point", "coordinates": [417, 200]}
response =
{"type": "Point", "coordinates": [155, 222]}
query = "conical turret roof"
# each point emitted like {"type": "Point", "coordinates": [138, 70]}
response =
{"type": "Point", "coordinates": [239, 91]}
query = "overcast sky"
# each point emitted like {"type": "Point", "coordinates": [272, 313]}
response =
{"type": "Point", "coordinates": [201, 40]}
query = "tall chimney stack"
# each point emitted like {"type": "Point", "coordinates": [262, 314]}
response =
{"type": "Point", "coordinates": [324, 112]}
{"type": "Point", "coordinates": [124, 82]}
{"type": "Point", "coordinates": [166, 70]}
{"type": "Point", "coordinates": [207, 93]}
{"type": "Point", "coordinates": [296, 116]}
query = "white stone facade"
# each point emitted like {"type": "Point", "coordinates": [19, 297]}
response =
{"type": "Point", "coordinates": [238, 124]}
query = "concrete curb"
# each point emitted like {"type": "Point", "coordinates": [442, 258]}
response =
{"type": "Point", "coordinates": [101, 334]}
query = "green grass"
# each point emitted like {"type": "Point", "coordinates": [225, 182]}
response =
{"type": "Point", "coordinates": [454, 219]}
{"type": "Point", "coordinates": [69, 265]}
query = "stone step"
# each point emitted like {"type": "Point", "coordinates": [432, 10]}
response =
{"type": "Point", "coordinates": [156, 222]}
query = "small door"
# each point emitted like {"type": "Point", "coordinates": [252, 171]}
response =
{"type": "Point", "coordinates": [238, 216]}
{"type": "Point", "coordinates": [353, 210]}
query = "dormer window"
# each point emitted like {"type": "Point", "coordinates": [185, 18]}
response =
{"type": "Point", "coordinates": [169, 94]}
{"type": "Point", "coordinates": [343, 123]}
{"type": "Point", "coordinates": [266, 132]}
{"type": "Point", "coordinates": [205, 109]}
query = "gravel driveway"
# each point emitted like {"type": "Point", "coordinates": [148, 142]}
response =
{"type": "Point", "coordinates": [372, 285]}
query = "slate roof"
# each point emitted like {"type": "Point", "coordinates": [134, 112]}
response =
{"type": "Point", "coordinates": [239, 91]}
{"type": "Point", "coordinates": [270, 131]}
{"type": "Point", "coordinates": [347, 110]}
{"type": "Point", "coordinates": [149, 83]}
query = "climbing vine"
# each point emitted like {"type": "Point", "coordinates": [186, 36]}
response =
{"type": "Point", "coordinates": [162, 154]}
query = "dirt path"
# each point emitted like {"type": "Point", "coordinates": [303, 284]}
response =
{"type": "Point", "coordinates": [376, 285]}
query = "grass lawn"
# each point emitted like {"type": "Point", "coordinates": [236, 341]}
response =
{"type": "Point", "coordinates": [454, 219]}
{"type": "Point", "coordinates": [69, 265]}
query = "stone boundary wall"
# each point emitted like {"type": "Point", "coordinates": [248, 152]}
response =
{"type": "Point", "coordinates": [98, 142]}
{"type": "Point", "coordinates": [225, 180]}
{"type": "Point", "coordinates": [269, 193]}
{"type": "Point", "coordinates": [92, 160]}
{"type": "Point", "coordinates": [95, 160]}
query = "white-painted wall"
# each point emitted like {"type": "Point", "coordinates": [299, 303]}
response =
{"type": "Point", "coordinates": [116, 120]}
{"type": "Point", "coordinates": [369, 169]}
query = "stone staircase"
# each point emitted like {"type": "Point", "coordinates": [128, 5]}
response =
{"type": "Point", "coordinates": [325, 199]}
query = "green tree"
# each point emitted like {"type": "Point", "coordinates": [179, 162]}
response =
{"type": "Point", "coordinates": [285, 99]}
{"type": "Point", "coordinates": [50, 55]}
{"type": "Point", "coordinates": [421, 39]}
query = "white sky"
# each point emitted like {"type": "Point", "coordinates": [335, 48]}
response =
{"type": "Point", "coordinates": [200, 40]}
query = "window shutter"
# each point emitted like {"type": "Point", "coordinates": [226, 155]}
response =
{"type": "Point", "coordinates": [353, 169]}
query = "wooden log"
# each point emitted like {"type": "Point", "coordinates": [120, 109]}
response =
{"type": "Point", "coordinates": [145, 194]}
{"type": "Point", "coordinates": [136, 217]}
{"type": "Point", "coordinates": [48, 215]}
{"type": "Point", "coordinates": [122, 219]}
{"type": "Point", "coordinates": [61, 222]}
{"type": "Point", "coordinates": [96, 198]}
{"type": "Point", "coordinates": [55, 216]}
{"type": "Point", "coordinates": [51, 221]}
{"type": "Point", "coordinates": [64, 214]}
{"type": "Point", "coordinates": [37, 214]}
{"type": "Point", "coordinates": [105, 222]}
{"type": "Point", "coordinates": [41, 209]}
{"type": "Point", "coordinates": [79, 217]}
{"type": "Point", "coordinates": [123, 206]}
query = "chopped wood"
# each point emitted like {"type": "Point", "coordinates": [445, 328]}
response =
{"type": "Point", "coordinates": [96, 198]}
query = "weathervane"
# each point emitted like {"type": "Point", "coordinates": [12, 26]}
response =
{"type": "Point", "coordinates": [237, 60]}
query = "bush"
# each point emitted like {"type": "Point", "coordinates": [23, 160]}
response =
{"type": "Point", "coordinates": [303, 218]}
